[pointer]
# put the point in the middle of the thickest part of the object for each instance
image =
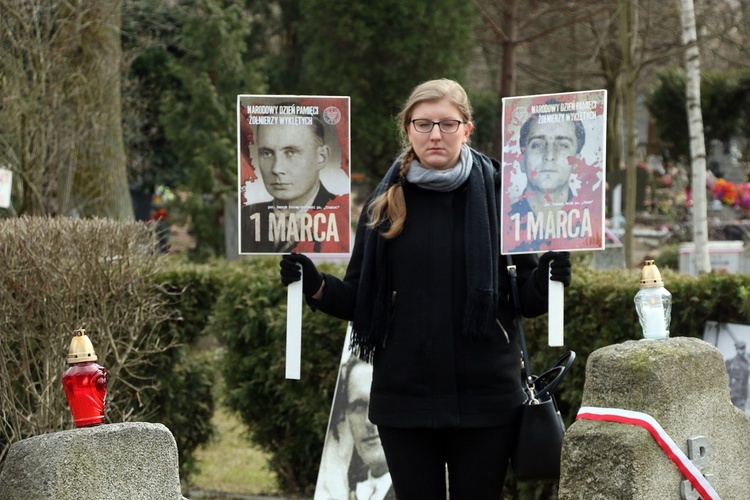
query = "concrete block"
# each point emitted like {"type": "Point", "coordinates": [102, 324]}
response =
{"type": "Point", "coordinates": [682, 383]}
{"type": "Point", "coordinates": [111, 461]}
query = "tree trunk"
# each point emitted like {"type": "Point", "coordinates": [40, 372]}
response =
{"type": "Point", "coordinates": [508, 78]}
{"type": "Point", "coordinates": [697, 140]}
{"type": "Point", "coordinates": [508, 74]}
{"type": "Point", "coordinates": [94, 182]}
{"type": "Point", "coordinates": [628, 31]}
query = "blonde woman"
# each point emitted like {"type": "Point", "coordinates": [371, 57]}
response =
{"type": "Point", "coordinates": [428, 295]}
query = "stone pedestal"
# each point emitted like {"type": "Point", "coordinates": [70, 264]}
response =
{"type": "Point", "coordinates": [111, 461]}
{"type": "Point", "coordinates": [682, 383]}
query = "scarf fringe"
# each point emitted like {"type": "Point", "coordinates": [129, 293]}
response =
{"type": "Point", "coordinates": [479, 314]}
{"type": "Point", "coordinates": [363, 352]}
{"type": "Point", "coordinates": [363, 344]}
{"type": "Point", "coordinates": [368, 335]}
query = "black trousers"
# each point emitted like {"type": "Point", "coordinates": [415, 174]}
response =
{"type": "Point", "coordinates": [476, 461]}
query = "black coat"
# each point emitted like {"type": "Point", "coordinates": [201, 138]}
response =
{"type": "Point", "coordinates": [428, 373]}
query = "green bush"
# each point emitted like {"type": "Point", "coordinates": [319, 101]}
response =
{"type": "Point", "coordinates": [286, 418]}
{"type": "Point", "coordinates": [668, 257]}
{"type": "Point", "coordinates": [59, 273]}
{"type": "Point", "coordinates": [186, 404]}
{"type": "Point", "coordinates": [187, 375]}
{"type": "Point", "coordinates": [599, 311]}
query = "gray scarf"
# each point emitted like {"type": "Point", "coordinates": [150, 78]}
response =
{"type": "Point", "coordinates": [441, 180]}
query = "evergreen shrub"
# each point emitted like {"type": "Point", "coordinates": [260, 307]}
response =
{"type": "Point", "coordinates": [150, 318]}
{"type": "Point", "coordinates": [285, 418]}
{"type": "Point", "coordinates": [288, 418]}
{"type": "Point", "coordinates": [188, 374]}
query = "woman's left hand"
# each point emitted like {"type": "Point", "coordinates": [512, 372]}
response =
{"type": "Point", "coordinates": [554, 266]}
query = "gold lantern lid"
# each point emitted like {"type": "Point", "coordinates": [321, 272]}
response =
{"type": "Point", "coordinates": [650, 276]}
{"type": "Point", "coordinates": [81, 349]}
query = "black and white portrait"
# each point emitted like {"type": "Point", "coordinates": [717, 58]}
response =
{"type": "Point", "coordinates": [353, 465]}
{"type": "Point", "coordinates": [732, 339]}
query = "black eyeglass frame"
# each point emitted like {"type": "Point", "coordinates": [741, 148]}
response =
{"type": "Point", "coordinates": [439, 124]}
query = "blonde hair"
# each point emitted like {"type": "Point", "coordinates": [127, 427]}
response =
{"type": "Point", "coordinates": [390, 205]}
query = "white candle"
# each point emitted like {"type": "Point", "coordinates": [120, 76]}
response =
{"type": "Point", "coordinates": [653, 319]}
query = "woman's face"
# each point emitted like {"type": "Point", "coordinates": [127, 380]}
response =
{"type": "Point", "coordinates": [437, 149]}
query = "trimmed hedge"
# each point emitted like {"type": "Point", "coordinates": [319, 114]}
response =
{"type": "Point", "coordinates": [243, 305]}
{"type": "Point", "coordinates": [188, 376]}
{"type": "Point", "coordinates": [288, 418]}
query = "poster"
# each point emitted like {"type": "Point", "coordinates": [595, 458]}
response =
{"type": "Point", "coordinates": [553, 161]}
{"type": "Point", "coordinates": [293, 174]}
{"type": "Point", "coordinates": [353, 462]}
{"type": "Point", "coordinates": [6, 183]}
{"type": "Point", "coordinates": [732, 339]}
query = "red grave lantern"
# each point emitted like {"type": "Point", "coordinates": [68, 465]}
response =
{"type": "Point", "coordinates": [85, 382]}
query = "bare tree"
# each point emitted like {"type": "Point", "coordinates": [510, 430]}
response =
{"type": "Point", "coordinates": [514, 24]}
{"type": "Point", "coordinates": [628, 18]}
{"type": "Point", "coordinates": [95, 180]}
{"type": "Point", "coordinates": [587, 44]}
{"type": "Point", "coordinates": [30, 119]}
{"type": "Point", "coordinates": [60, 119]}
{"type": "Point", "coordinates": [697, 140]}
{"type": "Point", "coordinates": [59, 274]}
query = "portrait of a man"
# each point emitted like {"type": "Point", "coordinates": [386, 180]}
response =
{"type": "Point", "coordinates": [553, 172]}
{"type": "Point", "coordinates": [289, 147]}
{"type": "Point", "coordinates": [353, 465]}
{"type": "Point", "coordinates": [549, 151]}
{"type": "Point", "coordinates": [731, 339]}
{"type": "Point", "coordinates": [738, 369]}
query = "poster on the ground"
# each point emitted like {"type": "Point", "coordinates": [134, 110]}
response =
{"type": "Point", "coordinates": [293, 174]}
{"type": "Point", "coordinates": [553, 162]}
{"type": "Point", "coordinates": [732, 340]}
{"type": "Point", "coordinates": [353, 463]}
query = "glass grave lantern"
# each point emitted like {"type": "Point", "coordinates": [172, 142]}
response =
{"type": "Point", "coordinates": [85, 382]}
{"type": "Point", "coordinates": [653, 303]}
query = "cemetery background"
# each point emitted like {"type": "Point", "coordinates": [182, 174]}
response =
{"type": "Point", "coordinates": [178, 89]}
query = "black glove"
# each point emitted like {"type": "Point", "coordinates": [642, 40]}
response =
{"type": "Point", "coordinates": [290, 273]}
{"type": "Point", "coordinates": [554, 266]}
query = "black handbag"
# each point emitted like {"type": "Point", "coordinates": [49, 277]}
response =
{"type": "Point", "coordinates": [536, 454]}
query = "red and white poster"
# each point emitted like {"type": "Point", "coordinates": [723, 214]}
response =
{"type": "Point", "coordinates": [293, 174]}
{"type": "Point", "coordinates": [553, 160]}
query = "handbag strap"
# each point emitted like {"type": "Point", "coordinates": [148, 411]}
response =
{"type": "Point", "coordinates": [528, 378]}
{"type": "Point", "coordinates": [560, 368]}
{"type": "Point", "coordinates": [547, 382]}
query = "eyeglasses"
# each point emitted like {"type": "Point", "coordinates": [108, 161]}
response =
{"type": "Point", "coordinates": [446, 126]}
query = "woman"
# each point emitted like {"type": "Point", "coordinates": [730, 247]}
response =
{"type": "Point", "coordinates": [427, 292]}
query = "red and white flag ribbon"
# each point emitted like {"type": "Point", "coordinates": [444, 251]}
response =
{"type": "Point", "coordinates": [687, 467]}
